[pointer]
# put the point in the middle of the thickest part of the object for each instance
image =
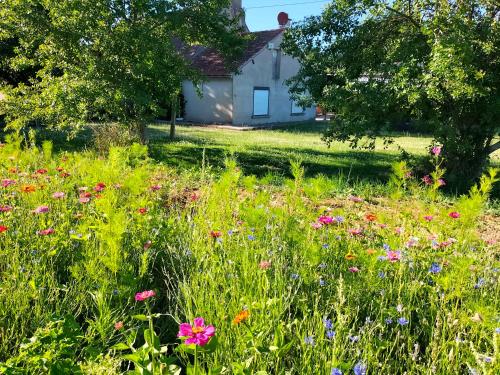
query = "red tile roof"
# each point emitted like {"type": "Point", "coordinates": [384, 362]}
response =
{"type": "Point", "coordinates": [211, 63]}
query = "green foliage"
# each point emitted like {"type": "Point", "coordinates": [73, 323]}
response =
{"type": "Point", "coordinates": [377, 62]}
{"type": "Point", "coordinates": [104, 60]}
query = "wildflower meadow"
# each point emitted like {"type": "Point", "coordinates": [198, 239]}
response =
{"type": "Point", "coordinates": [119, 264]}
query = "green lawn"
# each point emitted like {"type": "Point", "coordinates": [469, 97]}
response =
{"type": "Point", "coordinates": [263, 151]}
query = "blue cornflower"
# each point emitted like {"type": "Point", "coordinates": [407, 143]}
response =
{"type": "Point", "coordinates": [382, 258]}
{"type": "Point", "coordinates": [339, 219]}
{"type": "Point", "coordinates": [251, 238]}
{"type": "Point", "coordinates": [403, 321]}
{"type": "Point", "coordinates": [360, 369]}
{"type": "Point", "coordinates": [336, 371]}
{"type": "Point", "coordinates": [480, 283]}
{"type": "Point", "coordinates": [115, 292]}
{"type": "Point", "coordinates": [230, 232]}
{"type": "Point", "coordinates": [322, 266]}
{"type": "Point", "coordinates": [330, 334]}
{"type": "Point", "coordinates": [295, 276]}
{"type": "Point", "coordinates": [435, 268]}
{"type": "Point", "coordinates": [381, 274]}
{"type": "Point", "coordinates": [327, 323]}
{"type": "Point", "coordinates": [325, 246]}
{"type": "Point", "coordinates": [322, 282]}
{"type": "Point", "coordinates": [388, 321]}
{"type": "Point", "coordinates": [386, 247]}
{"type": "Point", "coordinates": [497, 331]}
{"type": "Point", "coordinates": [487, 359]}
{"type": "Point", "coordinates": [354, 338]}
{"type": "Point", "coordinates": [309, 340]}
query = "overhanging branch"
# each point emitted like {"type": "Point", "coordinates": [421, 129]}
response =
{"type": "Point", "coordinates": [405, 16]}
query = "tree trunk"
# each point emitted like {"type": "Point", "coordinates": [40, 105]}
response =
{"type": "Point", "coordinates": [174, 117]}
{"type": "Point", "coordinates": [141, 129]}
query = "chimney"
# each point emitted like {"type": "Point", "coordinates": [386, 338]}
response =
{"type": "Point", "coordinates": [236, 11]}
{"type": "Point", "coordinates": [283, 20]}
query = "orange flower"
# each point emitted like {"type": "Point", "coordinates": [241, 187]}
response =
{"type": "Point", "coordinates": [241, 317]}
{"type": "Point", "coordinates": [13, 170]}
{"type": "Point", "coordinates": [118, 325]}
{"type": "Point", "coordinates": [370, 217]}
{"type": "Point", "coordinates": [28, 188]}
{"type": "Point", "coordinates": [371, 251]}
{"type": "Point", "coordinates": [350, 256]}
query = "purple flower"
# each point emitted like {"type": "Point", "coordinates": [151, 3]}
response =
{"type": "Point", "coordinates": [360, 369]}
{"type": "Point", "coordinates": [327, 323]}
{"type": "Point", "coordinates": [336, 371]}
{"type": "Point", "coordinates": [322, 282]}
{"type": "Point", "coordinates": [354, 338]}
{"type": "Point", "coordinates": [480, 283]}
{"type": "Point", "coordinates": [435, 268]}
{"type": "Point", "coordinates": [295, 276]}
{"type": "Point", "coordinates": [330, 334]}
{"type": "Point", "coordinates": [436, 150]}
{"type": "Point", "coordinates": [388, 321]}
{"type": "Point", "coordinates": [251, 238]}
{"type": "Point", "coordinates": [403, 321]}
{"type": "Point", "coordinates": [309, 340]}
{"type": "Point", "coordinates": [497, 331]}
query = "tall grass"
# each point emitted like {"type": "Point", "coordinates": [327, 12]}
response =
{"type": "Point", "coordinates": [333, 275]}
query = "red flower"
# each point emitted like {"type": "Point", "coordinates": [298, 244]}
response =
{"type": "Point", "coordinates": [41, 171]}
{"type": "Point", "coordinates": [215, 234]}
{"type": "Point", "coordinates": [100, 187]}
{"type": "Point", "coordinates": [142, 210]}
{"type": "Point", "coordinates": [370, 217]}
{"type": "Point", "coordinates": [454, 215]}
{"type": "Point", "coordinates": [3, 228]}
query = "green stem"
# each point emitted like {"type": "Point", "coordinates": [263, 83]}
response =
{"type": "Point", "coordinates": [196, 360]}
{"type": "Point", "coordinates": [151, 337]}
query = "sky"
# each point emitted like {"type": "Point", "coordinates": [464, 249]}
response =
{"type": "Point", "coordinates": [263, 14]}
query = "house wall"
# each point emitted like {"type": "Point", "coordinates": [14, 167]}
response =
{"type": "Point", "coordinates": [258, 72]}
{"type": "Point", "coordinates": [216, 105]}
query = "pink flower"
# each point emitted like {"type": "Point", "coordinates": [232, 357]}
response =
{"type": "Point", "coordinates": [428, 218]}
{"type": "Point", "coordinates": [393, 256]}
{"type": "Point", "coordinates": [436, 150]}
{"type": "Point", "coordinates": [316, 225]}
{"type": "Point", "coordinates": [5, 208]}
{"type": "Point", "coordinates": [46, 232]}
{"type": "Point", "coordinates": [264, 265]}
{"type": "Point", "coordinates": [197, 334]}
{"type": "Point", "coordinates": [155, 187]}
{"type": "Point", "coordinates": [454, 215]}
{"type": "Point", "coordinates": [353, 269]}
{"type": "Point", "coordinates": [398, 230]}
{"type": "Point", "coordinates": [427, 180]}
{"type": "Point", "coordinates": [8, 182]}
{"type": "Point", "coordinates": [326, 220]}
{"type": "Point", "coordinates": [141, 296]}
{"type": "Point", "coordinates": [84, 200]}
{"type": "Point", "coordinates": [355, 199]}
{"type": "Point", "coordinates": [441, 182]}
{"type": "Point", "coordinates": [58, 195]}
{"type": "Point", "coordinates": [147, 245]}
{"type": "Point", "coordinates": [41, 210]}
{"type": "Point", "coordinates": [356, 232]}
{"type": "Point", "coordinates": [118, 325]}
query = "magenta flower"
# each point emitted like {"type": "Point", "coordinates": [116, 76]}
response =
{"type": "Point", "coordinates": [353, 269]}
{"type": "Point", "coordinates": [141, 296]}
{"type": "Point", "coordinates": [58, 195]}
{"type": "Point", "coordinates": [436, 150]}
{"type": "Point", "coordinates": [197, 334]}
{"type": "Point", "coordinates": [5, 208]}
{"type": "Point", "coordinates": [454, 215]}
{"type": "Point", "coordinates": [155, 187]}
{"type": "Point", "coordinates": [428, 218]}
{"type": "Point", "coordinates": [41, 210]}
{"type": "Point", "coordinates": [326, 220]}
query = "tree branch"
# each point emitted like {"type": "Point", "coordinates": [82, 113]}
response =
{"type": "Point", "coordinates": [405, 16]}
{"type": "Point", "coordinates": [494, 147]}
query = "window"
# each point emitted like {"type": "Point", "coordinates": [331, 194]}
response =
{"type": "Point", "coordinates": [261, 101]}
{"type": "Point", "coordinates": [297, 109]}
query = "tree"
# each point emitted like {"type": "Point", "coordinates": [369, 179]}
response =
{"type": "Point", "coordinates": [114, 60]}
{"type": "Point", "coordinates": [434, 61]}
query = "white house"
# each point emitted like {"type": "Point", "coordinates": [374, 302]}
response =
{"type": "Point", "coordinates": [256, 94]}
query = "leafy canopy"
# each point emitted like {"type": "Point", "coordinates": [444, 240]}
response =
{"type": "Point", "coordinates": [376, 62]}
{"type": "Point", "coordinates": [104, 59]}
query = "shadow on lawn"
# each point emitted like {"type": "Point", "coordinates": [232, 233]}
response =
{"type": "Point", "coordinates": [260, 161]}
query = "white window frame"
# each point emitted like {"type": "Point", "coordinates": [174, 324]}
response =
{"type": "Point", "coordinates": [260, 112]}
